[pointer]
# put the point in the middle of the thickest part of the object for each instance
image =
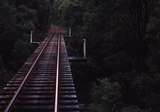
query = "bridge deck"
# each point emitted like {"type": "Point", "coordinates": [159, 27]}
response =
{"type": "Point", "coordinates": [44, 83]}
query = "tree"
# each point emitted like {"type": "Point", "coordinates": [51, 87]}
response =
{"type": "Point", "coordinates": [120, 34]}
{"type": "Point", "coordinates": [17, 18]}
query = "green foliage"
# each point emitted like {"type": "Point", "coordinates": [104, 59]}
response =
{"type": "Point", "coordinates": [152, 36]}
{"type": "Point", "coordinates": [105, 95]}
{"type": "Point", "coordinates": [147, 90]}
{"type": "Point", "coordinates": [121, 34]}
{"type": "Point", "coordinates": [133, 109]}
{"type": "Point", "coordinates": [122, 44]}
{"type": "Point", "coordinates": [17, 19]}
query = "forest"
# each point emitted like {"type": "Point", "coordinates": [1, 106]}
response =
{"type": "Point", "coordinates": [17, 19]}
{"type": "Point", "coordinates": [122, 71]}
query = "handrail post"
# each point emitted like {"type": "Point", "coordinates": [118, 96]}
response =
{"type": "Point", "coordinates": [84, 48]}
{"type": "Point", "coordinates": [70, 32]}
{"type": "Point", "coordinates": [31, 36]}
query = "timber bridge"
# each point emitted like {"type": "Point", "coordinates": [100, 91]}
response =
{"type": "Point", "coordinates": [44, 83]}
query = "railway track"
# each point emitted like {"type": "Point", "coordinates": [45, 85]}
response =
{"type": "Point", "coordinates": [44, 83]}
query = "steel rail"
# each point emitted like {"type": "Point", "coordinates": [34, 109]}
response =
{"type": "Point", "coordinates": [57, 77]}
{"type": "Point", "coordinates": [11, 103]}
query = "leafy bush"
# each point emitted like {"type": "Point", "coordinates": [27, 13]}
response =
{"type": "Point", "coordinates": [105, 96]}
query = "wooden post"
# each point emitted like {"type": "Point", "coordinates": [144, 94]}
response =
{"type": "Point", "coordinates": [84, 49]}
{"type": "Point", "coordinates": [70, 32]}
{"type": "Point", "coordinates": [31, 37]}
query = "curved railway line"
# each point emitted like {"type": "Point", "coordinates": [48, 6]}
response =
{"type": "Point", "coordinates": [44, 83]}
